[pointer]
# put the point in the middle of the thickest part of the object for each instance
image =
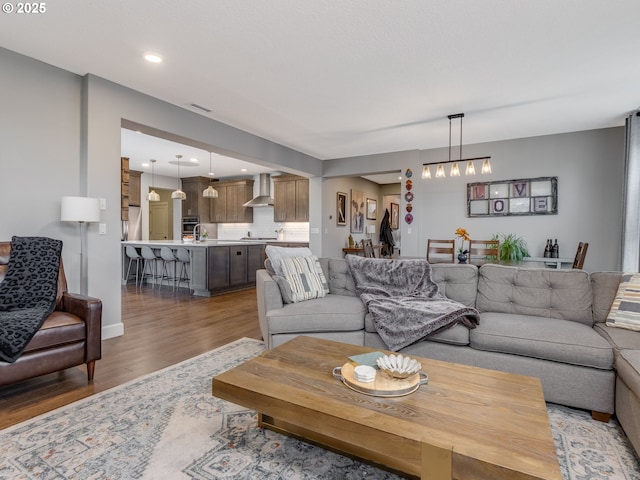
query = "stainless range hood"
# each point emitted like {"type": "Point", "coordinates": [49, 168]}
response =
{"type": "Point", "coordinates": [264, 198]}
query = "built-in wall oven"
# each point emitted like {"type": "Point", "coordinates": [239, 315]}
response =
{"type": "Point", "coordinates": [188, 223]}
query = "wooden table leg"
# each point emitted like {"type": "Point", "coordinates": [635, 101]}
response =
{"type": "Point", "coordinates": [436, 463]}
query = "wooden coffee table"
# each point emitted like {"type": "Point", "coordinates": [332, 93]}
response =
{"type": "Point", "coordinates": [466, 423]}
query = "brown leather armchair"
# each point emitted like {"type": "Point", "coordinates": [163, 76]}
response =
{"type": "Point", "coordinates": [70, 336]}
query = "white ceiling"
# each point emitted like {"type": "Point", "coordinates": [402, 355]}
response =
{"type": "Point", "coordinates": [340, 78]}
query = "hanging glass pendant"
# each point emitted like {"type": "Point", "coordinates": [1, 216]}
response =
{"type": "Point", "coordinates": [178, 194]}
{"type": "Point", "coordinates": [471, 169]}
{"type": "Point", "coordinates": [486, 167]}
{"type": "Point", "coordinates": [455, 170]}
{"type": "Point", "coordinates": [440, 172]}
{"type": "Point", "coordinates": [210, 192]}
{"type": "Point", "coordinates": [153, 196]}
{"type": "Point", "coordinates": [426, 172]}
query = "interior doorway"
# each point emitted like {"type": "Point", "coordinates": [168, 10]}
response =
{"type": "Point", "coordinates": [159, 221]}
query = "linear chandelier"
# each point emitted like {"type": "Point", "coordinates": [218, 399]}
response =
{"type": "Point", "coordinates": [455, 169]}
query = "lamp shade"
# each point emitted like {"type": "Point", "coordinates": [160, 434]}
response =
{"type": "Point", "coordinates": [80, 209]}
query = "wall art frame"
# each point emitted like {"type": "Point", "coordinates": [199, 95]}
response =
{"type": "Point", "coordinates": [341, 209]}
{"type": "Point", "coordinates": [395, 216]}
{"type": "Point", "coordinates": [517, 197]}
{"type": "Point", "coordinates": [372, 209]}
{"type": "Point", "coordinates": [357, 211]}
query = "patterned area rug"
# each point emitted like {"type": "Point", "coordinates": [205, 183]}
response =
{"type": "Point", "coordinates": [167, 425]}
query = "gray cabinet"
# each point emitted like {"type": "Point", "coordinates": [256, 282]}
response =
{"type": "Point", "coordinates": [227, 208]}
{"type": "Point", "coordinates": [195, 205]}
{"type": "Point", "coordinates": [290, 198]}
{"type": "Point", "coordinates": [233, 267]}
{"type": "Point", "coordinates": [218, 268]}
{"type": "Point", "coordinates": [255, 261]}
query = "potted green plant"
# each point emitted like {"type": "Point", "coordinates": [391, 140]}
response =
{"type": "Point", "coordinates": [512, 248]}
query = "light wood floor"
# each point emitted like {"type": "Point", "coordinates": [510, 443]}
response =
{"type": "Point", "coordinates": [161, 329]}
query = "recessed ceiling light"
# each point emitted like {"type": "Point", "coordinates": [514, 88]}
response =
{"type": "Point", "coordinates": [193, 160]}
{"type": "Point", "coordinates": [152, 57]}
{"type": "Point", "coordinates": [145, 165]}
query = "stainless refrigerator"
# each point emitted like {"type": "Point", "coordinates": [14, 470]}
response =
{"type": "Point", "coordinates": [132, 228]}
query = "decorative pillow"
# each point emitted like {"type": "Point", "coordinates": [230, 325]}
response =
{"type": "Point", "coordinates": [625, 309]}
{"type": "Point", "coordinates": [276, 254]}
{"type": "Point", "coordinates": [302, 279]}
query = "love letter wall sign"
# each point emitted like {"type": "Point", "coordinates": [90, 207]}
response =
{"type": "Point", "coordinates": [523, 196]}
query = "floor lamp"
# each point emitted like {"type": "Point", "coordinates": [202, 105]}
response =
{"type": "Point", "coordinates": [82, 210]}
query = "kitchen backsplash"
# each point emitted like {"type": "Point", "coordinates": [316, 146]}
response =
{"type": "Point", "coordinates": [264, 226]}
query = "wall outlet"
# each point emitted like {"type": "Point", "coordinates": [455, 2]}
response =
{"type": "Point", "coordinates": [102, 229]}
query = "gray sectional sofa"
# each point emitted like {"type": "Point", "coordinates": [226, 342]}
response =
{"type": "Point", "coordinates": [544, 323]}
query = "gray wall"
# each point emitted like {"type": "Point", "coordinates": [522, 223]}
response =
{"type": "Point", "coordinates": [589, 167]}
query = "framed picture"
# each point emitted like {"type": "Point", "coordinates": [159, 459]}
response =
{"type": "Point", "coordinates": [372, 209]}
{"type": "Point", "coordinates": [395, 216]}
{"type": "Point", "coordinates": [522, 196]}
{"type": "Point", "coordinates": [341, 209]}
{"type": "Point", "coordinates": [357, 211]}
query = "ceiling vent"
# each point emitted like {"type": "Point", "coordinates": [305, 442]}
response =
{"type": "Point", "coordinates": [264, 198]}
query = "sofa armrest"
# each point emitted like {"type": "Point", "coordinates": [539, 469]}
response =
{"type": "Point", "coordinates": [269, 298]}
{"type": "Point", "coordinates": [89, 310]}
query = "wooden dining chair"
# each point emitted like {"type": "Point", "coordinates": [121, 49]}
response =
{"type": "Point", "coordinates": [483, 251]}
{"type": "Point", "coordinates": [440, 251]}
{"type": "Point", "coordinates": [367, 247]}
{"type": "Point", "coordinates": [581, 253]}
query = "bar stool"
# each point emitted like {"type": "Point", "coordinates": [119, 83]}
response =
{"type": "Point", "coordinates": [184, 259]}
{"type": "Point", "coordinates": [168, 259]}
{"type": "Point", "coordinates": [150, 265]}
{"type": "Point", "coordinates": [133, 255]}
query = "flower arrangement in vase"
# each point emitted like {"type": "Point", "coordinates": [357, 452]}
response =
{"type": "Point", "coordinates": [462, 252]}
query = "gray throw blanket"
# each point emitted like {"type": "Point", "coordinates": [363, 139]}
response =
{"type": "Point", "coordinates": [28, 292]}
{"type": "Point", "coordinates": [405, 303]}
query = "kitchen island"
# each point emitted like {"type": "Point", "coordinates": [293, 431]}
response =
{"type": "Point", "coordinates": [216, 266]}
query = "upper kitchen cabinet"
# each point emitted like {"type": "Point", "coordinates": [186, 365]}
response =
{"type": "Point", "coordinates": [228, 207]}
{"type": "Point", "coordinates": [134, 188]}
{"type": "Point", "coordinates": [124, 188]}
{"type": "Point", "coordinates": [290, 198]}
{"type": "Point", "coordinates": [195, 205]}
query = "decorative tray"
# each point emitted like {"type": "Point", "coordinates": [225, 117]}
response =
{"type": "Point", "coordinates": [383, 385]}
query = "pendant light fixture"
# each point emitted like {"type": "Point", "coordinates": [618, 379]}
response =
{"type": "Point", "coordinates": [455, 168]}
{"type": "Point", "coordinates": [210, 192]}
{"type": "Point", "coordinates": [178, 194]}
{"type": "Point", "coordinates": [152, 196]}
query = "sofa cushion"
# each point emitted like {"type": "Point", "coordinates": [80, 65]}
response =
{"type": "Point", "coordinates": [551, 293]}
{"type": "Point", "coordinates": [619, 338]}
{"type": "Point", "coordinates": [302, 279]}
{"type": "Point", "coordinates": [628, 367]}
{"type": "Point", "coordinates": [276, 254]}
{"type": "Point", "coordinates": [59, 328]}
{"type": "Point", "coordinates": [545, 338]}
{"type": "Point", "coordinates": [340, 279]}
{"type": "Point", "coordinates": [604, 286]}
{"type": "Point", "coordinates": [456, 335]}
{"type": "Point", "coordinates": [331, 313]}
{"type": "Point", "coordinates": [625, 309]}
{"type": "Point", "coordinates": [457, 282]}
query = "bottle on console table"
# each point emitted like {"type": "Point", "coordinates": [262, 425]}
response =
{"type": "Point", "coordinates": [547, 249]}
{"type": "Point", "coordinates": [555, 250]}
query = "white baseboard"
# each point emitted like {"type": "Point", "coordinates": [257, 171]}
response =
{"type": "Point", "coordinates": [111, 331]}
